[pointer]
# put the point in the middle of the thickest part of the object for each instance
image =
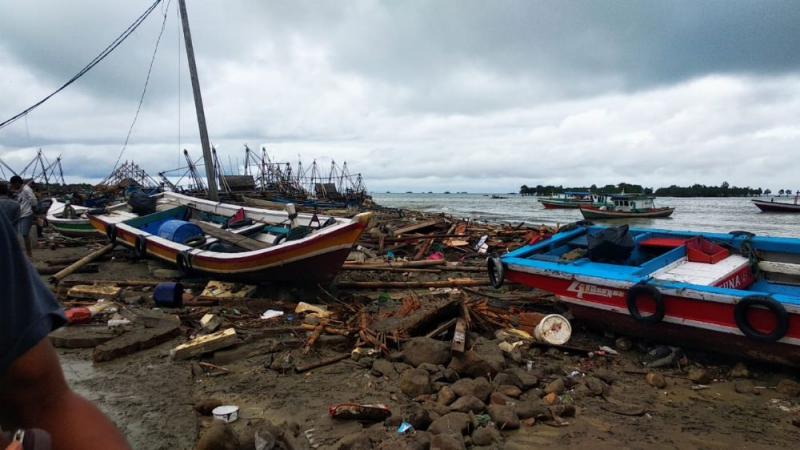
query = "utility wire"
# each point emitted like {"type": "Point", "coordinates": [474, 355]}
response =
{"type": "Point", "coordinates": [144, 89]}
{"type": "Point", "coordinates": [102, 55]}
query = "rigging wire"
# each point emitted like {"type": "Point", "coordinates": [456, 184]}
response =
{"type": "Point", "coordinates": [144, 89]}
{"type": "Point", "coordinates": [96, 60]}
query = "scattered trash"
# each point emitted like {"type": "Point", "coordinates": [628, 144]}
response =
{"type": "Point", "coordinates": [405, 428]}
{"type": "Point", "coordinates": [226, 413]}
{"type": "Point", "coordinates": [271, 314]}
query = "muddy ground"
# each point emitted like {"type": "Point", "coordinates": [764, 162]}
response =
{"type": "Point", "coordinates": [151, 398]}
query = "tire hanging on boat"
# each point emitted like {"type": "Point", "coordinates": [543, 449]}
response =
{"type": "Point", "coordinates": [644, 290]}
{"type": "Point", "coordinates": [111, 233]}
{"type": "Point", "coordinates": [768, 303]}
{"type": "Point", "coordinates": [140, 247]}
{"type": "Point", "coordinates": [497, 273]}
{"type": "Point", "coordinates": [184, 262]}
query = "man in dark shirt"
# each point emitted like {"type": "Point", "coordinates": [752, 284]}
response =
{"type": "Point", "coordinates": [33, 391]}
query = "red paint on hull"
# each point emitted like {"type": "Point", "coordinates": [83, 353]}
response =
{"type": "Point", "coordinates": [606, 307]}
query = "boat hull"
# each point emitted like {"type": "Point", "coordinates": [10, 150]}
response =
{"type": "Point", "coordinates": [563, 204]}
{"type": "Point", "coordinates": [316, 258]}
{"type": "Point", "coordinates": [73, 228]}
{"type": "Point", "coordinates": [689, 320]}
{"type": "Point", "coordinates": [595, 213]}
{"type": "Point", "coordinates": [776, 206]}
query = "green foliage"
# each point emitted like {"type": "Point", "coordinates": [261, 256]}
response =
{"type": "Point", "coordinates": [607, 189]}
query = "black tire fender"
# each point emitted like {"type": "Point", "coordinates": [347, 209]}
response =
{"type": "Point", "coordinates": [184, 262]}
{"type": "Point", "coordinates": [740, 233]}
{"type": "Point", "coordinates": [639, 290]}
{"type": "Point", "coordinates": [111, 233]}
{"type": "Point", "coordinates": [497, 272]}
{"type": "Point", "coordinates": [769, 303]}
{"type": "Point", "coordinates": [140, 247]}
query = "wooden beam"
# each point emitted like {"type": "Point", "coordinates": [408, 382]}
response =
{"type": "Point", "coordinates": [230, 237]}
{"type": "Point", "coordinates": [411, 284]}
{"type": "Point", "coordinates": [779, 267]}
{"type": "Point", "coordinates": [416, 226]}
{"type": "Point", "coordinates": [72, 268]}
{"type": "Point", "coordinates": [205, 344]}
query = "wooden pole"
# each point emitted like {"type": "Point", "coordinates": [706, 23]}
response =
{"type": "Point", "coordinates": [72, 268]}
{"type": "Point", "coordinates": [198, 106]}
{"type": "Point", "coordinates": [410, 284]}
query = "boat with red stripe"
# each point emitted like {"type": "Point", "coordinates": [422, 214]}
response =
{"type": "Point", "coordinates": [734, 293]}
{"type": "Point", "coordinates": [234, 242]}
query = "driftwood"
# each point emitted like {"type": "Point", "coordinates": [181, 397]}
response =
{"type": "Point", "coordinates": [323, 363]}
{"type": "Point", "coordinates": [72, 268]}
{"type": "Point", "coordinates": [51, 270]}
{"type": "Point", "coordinates": [424, 263]}
{"type": "Point", "coordinates": [416, 226]}
{"type": "Point", "coordinates": [411, 284]}
{"type": "Point", "coordinates": [230, 237]}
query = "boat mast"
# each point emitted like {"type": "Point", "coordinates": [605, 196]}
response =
{"type": "Point", "coordinates": [198, 105]}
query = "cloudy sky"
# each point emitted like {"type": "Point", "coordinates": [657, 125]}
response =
{"type": "Point", "coordinates": [421, 94]}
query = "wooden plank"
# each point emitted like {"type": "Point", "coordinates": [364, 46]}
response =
{"type": "Point", "coordinates": [72, 268]}
{"type": "Point", "coordinates": [416, 226]}
{"type": "Point", "coordinates": [411, 284]}
{"type": "Point", "coordinates": [442, 328]}
{"type": "Point", "coordinates": [230, 237]}
{"type": "Point", "coordinates": [779, 267]}
{"type": "Point", "coordinates": [94, 291]}
{"type": "Point", "coordinates": [459, 336]}
{"type": "Point", "coordinates": [205, 344]}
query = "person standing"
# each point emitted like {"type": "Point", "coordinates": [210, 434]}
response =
{"type": "Point", "coordinates": [8, 207]}
{"type": "Point", "coordinates": [33, 391]}
{"type": "Point", "coordinates": [27, 201]}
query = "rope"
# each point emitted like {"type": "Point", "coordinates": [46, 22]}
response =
{"type": "Point", "coordinates": [144, 89]}
{"type": "Point", "coordinates": [96, 60]}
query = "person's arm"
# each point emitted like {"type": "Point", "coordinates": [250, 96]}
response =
{"type": "Point", "coordinates": [36, 394]}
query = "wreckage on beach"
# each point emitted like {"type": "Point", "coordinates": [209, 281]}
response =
{"type": "Point", "coordinates": [219, 239]}
{"type": "Point", "coordinates": [734, 293]}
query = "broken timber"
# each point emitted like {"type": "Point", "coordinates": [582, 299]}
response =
{"type": "Point", "coordinates": [416, 226]}
{"type": "Point", "coordinates": [231, 238]}
{"type": "Point", "coordinates": [205, 344]}
{"type": "Point", "coordinates": [462, 282]}
{"type": "Point", "coordinates": [72, 268]}
{"type": "Point", "coordinates": [136, 340]}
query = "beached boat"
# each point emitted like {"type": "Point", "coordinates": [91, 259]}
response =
{"type": "Point", "coordinates": [224, 240]}
{"type": "Point", "coordinates": [773, 206]}
{"type": "Point", "coordinates": [734, 293]}
{"type": "Point", "coordinates": [571, 199]}
{"type": "Point", "coordinates": [69, 220]}
{"type": "Point", "coordinates": [620, 206]}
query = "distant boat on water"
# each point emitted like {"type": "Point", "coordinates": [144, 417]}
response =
{"type": "Point", "coordinates": [569, 199]}
{"type": "Point", "coordinates": [620, 206]}
{"type": "Point", "coordinates": [773, 206]}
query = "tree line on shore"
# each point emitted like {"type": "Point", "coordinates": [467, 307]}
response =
{"type": "Point", "coordinates": [695, 190]}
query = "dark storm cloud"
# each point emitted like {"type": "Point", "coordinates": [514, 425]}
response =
{"type": "Point", "coordinates": [429, 93]}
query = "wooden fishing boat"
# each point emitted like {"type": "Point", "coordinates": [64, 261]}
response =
{"type": "Point", "coordinates": [734, 293]}
{"type": "Point", "coordinates": [231, 241]}
{"type": "Point", "coordinates": [69, 220]}
{"type": "Point", "coordinates": [621, 206]}
{"type": "Point", "coordinates": [773, 206]}
{"type": "Point", "coordinates": [571, 199]}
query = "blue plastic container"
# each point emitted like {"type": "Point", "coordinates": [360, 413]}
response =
{"type": "Point", "coordinates": [179, 231]}
{"type": "Point", "coordinates": [169, 295]}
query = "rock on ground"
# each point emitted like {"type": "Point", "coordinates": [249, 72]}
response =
{"type": "Point", "coordinates": [486, 436]}
{"type": "Point", "coordinates": [454, 422]}
{"type": "Point", "coordinates": [448, 442]}
{"type": "Point", "coordinates": [468, 404]}
{"type": "Point", "coordinates": [420, 350]}
{"type": "Point", "coordinates": [485, 358]}
{"type": "Point", "coordinates": [504, 416]}
{"type": "Point", "coordinates": [478, 387]}
{"type": "Point", "coordinates": [788, 387]}
{"type": "Point", "coordinates": [415, 382]}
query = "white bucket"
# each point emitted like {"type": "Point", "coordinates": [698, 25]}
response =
{"type": "Point", "coordinates": [226, 413]}
{"type": "Point", "coordinates": [553, 329]}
